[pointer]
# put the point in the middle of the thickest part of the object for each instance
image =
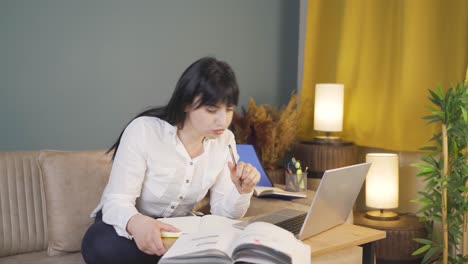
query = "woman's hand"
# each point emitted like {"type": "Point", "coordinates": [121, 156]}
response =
{"type": "Point", "coordinates": [244, 176]}
{"type": "Point", "coordinates": [147, 233]}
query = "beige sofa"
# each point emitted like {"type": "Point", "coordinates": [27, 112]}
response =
{"type": "Point", "coordinates": [45, 201]}
{"type": "Point", "coordinates": [46, 198]}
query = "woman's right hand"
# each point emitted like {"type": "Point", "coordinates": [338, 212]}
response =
{"type": "Point", "coordinates": [146, 232]}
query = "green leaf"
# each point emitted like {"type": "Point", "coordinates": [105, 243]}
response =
{"type": "Point", "coordinates": [435, 101]}
{"type": "Point", "coordinates": [430, 108]}
{"type": "Point", "coordinates": [437, 218]}
{"type": "Point", "coordinates": [430, 160]}
{"type": "Point", "coordinates": [426, 207]}
{"type": "Point", "coordinates": [421, 250]}
{"type": "Point", "coordinates": [419, 164]}
{"type": "Point", "coordinates": [431, 253]}
{"type": "Point", "coordinates": [464, 114]}
{"type": "Point", "coordinates": [434, 121]}
{"type": "Point", "coordinates": [425, 200]}
{"type": "Point", "coordinates": [440, 94]}
{"type": "Point", "coordinates": [442, 180]}
{"type": "Point", "coordinates": [435, 117]}
{"type": "Point", "coordinates": [426, 170]}
{"type": "Point", "coordinates": [436, 96]}
{"type": "Point", "coordinates": [431, 148]}
{"type": "Point", "coordinates": [423, 241]}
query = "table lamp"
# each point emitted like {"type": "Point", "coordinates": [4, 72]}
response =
{"type": "Point", "coordinates": [328, 109]}
{"type": "Point", "coordinates": [382, 186]}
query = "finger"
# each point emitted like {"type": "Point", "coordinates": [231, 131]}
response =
{"type": "Point", "coordinates": [157, 246]}
{"type": "Point", "coordinates": [232, 167]}
{"type": "Point", "coordinates": [253, 179]}
{"type": "Point", "coordinates": [168, 227]}
{"type": "Point", "coordinates": [256, 177]}
{"type": "Point", "coordinates": [236, 173]}
{"type": "Point", "coordinates": [160, 249]}
{"type": "Point", "coordinates": [148, 246]}
{"type": "Point", "coordinates": [239, 169]}
{"type": "Point", "coordinates": [248, 174]}
{"type": "Point", "coordinates": [246, 171]}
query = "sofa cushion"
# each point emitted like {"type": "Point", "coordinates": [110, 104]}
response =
{"type": "Point", "coordinates": [22, 213]}
{"type": "Point", "coordinates": [73, 184]}
{"type": "Point", "coordinates": [41, 257]}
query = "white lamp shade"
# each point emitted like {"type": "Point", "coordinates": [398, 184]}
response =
{"type": "Point", "coordinates": [382, 181]}
{"type": "Point", "coordinates": [328, 110]}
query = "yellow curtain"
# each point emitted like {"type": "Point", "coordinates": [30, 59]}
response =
{"type": "Point", "coordinates": [466, 76]}
{"type": "Point", "coordinates": [387, 54]}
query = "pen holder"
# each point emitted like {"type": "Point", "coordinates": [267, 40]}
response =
{"type": "Point", "coordinates": [296, 182]}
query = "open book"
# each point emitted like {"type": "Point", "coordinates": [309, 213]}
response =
{"type": "Point", "coordinates": [194, 224]}
{"type": "Point", "coordinates": [259, 242]}
{"type": "Point", "coordinates": [262, 191]}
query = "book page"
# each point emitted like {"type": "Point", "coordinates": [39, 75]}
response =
{"type": "Point", "coordinates": [194, 224]}
{"type": "Point", "coordinates": [260, 191]}
{"type": "Point", "coordinates": [216, 223]}
{"type": "Point", "coordinates": [214, 244]}
{"type": "Point", "coordinates": [302, 253]}
{"type": "Point", "coordinates": [186, 224]}
{"type": "Point", "coordinates": [267, 235]}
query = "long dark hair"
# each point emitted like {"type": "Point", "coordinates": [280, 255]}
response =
{"type": "Point", "coordinates": [213, 80]}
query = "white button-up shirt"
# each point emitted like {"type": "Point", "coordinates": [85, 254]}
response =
{"type": "Point", "coordinates": [153, 174]}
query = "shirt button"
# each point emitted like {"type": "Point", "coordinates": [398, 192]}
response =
{"type": "Point", "coordinates": [172, 207]}
{"type": "Point", "coordinates": [191, 163]}
{"type": "Point", "coordinates": [187, 181]}
{"type": "Point", "coordinates": [180, 197]}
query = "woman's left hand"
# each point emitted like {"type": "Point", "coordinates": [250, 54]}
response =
{"type": "Point", "coordinates": [244, 176]}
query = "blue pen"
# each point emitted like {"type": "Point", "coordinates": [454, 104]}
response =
{"type": "Point", "coordinates": [235, 163]}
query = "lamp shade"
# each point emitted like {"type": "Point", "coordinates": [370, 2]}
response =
{"type": "Point", "coordinates": [328, 110]}
{"type": "Point", "coordinates": [382, 181]}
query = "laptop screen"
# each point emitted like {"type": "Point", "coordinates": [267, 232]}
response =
{"type": "Point", "coordinates": [247, 154]}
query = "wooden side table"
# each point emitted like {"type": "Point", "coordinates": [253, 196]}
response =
{"type": "Point", "coordinates": [320, 156]}
{"type": "Point", "coordinates": [399, 244]}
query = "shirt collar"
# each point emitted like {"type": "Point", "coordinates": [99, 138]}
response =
{"type": "Point", "coordinates": [170, 133]}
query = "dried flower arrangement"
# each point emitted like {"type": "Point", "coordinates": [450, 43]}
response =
{"type": "Point", "coordinates": [270, 130]}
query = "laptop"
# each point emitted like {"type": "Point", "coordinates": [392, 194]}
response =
{"type": "Point", "coordinates": [264, 187]}
{"type": "Point", "coordinates": [330, 206]}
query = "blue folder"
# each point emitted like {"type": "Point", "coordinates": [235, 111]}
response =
{"type": "Point", "coordinates": [247, 154]}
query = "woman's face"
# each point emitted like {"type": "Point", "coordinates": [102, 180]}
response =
{"type": "Point", "coordinates": [208, 120]}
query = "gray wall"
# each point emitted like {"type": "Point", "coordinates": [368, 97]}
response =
{"type": "Point", "coordinates": [72, 73]}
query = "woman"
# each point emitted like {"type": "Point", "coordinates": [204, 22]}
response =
{"type": "Point", "coordinates": [165, 161]}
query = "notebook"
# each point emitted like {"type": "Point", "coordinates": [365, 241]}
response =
{"type": "Point", "coordinates": [264, 187]}
{"type": "Point", "coordinates": [330, 206]}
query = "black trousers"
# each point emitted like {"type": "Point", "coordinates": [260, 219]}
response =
{"type": "Point", "coordinates": [102, 245]}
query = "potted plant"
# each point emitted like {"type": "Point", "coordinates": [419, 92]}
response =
{"type": "Point", "coordinates": [444, 198]}
{"type": "Point", "coordinates": [271, 131]}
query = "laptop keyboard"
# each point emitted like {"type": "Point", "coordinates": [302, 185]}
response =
{"type": "Point", "coordinates": [294, 224]}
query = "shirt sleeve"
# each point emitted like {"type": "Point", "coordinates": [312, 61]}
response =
{"type": "Point", "coordinates": [225, 199]}
{"type": "Point", "coordinates": [126, 178]}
